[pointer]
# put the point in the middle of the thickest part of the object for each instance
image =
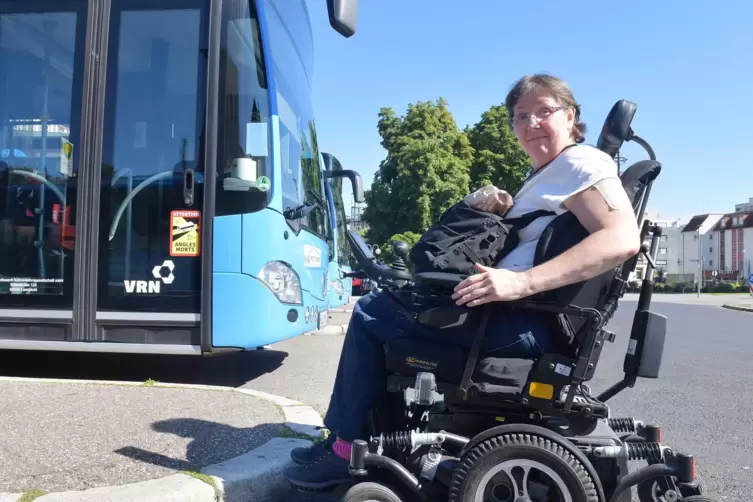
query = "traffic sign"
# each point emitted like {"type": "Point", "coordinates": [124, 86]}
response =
{"type": "Point", "coordinates": [750, 279]}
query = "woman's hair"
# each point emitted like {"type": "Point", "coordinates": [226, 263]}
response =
{"type": "Point", "coordinates": [554, 86]}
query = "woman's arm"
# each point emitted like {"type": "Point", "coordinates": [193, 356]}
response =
{"type": "Point", "coordinates": [607, 214]}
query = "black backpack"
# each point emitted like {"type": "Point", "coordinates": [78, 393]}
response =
{"type": "Point", "coordinates": [465, 236]}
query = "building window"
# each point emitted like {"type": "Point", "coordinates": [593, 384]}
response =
{"type": "Point", "coordinates": [711, 263]}
{"type": "Point", "coordinates": [662, 250]}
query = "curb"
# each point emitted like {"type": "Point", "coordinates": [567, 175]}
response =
{"type": "Point", "coordinates": [741, 308]}
{"type": "Point", "coordinates": [332, 329]}
{"type": "Point", "coordinates": [255, 476]}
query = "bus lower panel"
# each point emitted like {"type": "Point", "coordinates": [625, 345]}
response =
{"type": "Point", "coordinates": [100, 347]}
{"type": "Point", "coordinates": [150, 335]}
{"type": "Point", "coordinates": [156, 335]}
{"type": "Point", "coordinates": [37, 332]}
{"type": "Point", "coordinates": [247, 314]}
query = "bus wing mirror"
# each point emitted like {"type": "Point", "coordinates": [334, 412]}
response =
{"type": "Point", "coordinates": [355, 180]}
{"type": "Point", "coordinates": [343, 16]}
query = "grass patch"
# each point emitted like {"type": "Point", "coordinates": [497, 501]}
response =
{"type": "Point", "coordinates": [287, 432]}
{"type": "Point", "coordinates": [149, 383]}
{"type": "Point", "coordinates": [206, 479]}
{"type": "Point", "coordinates": [30, 495]}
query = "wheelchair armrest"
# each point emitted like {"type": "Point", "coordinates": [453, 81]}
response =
{"type": "Point", "coordinates": [445, 281]}
{"type": "Point", "coordinates": [548, 306]}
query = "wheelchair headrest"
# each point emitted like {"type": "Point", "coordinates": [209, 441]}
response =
{"type": "Point", "coordinates": [616, 128]}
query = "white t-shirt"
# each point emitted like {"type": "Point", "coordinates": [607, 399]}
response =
{"type": "Point", "coordinates": [573, 171]}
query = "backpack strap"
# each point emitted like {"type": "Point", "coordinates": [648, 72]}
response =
{"type": "Point", "coordinates": [478, 340]}
{"type": "Point", "coordinates": [519, 222]}
{"type": "Point", "coordinates": [526, 219]}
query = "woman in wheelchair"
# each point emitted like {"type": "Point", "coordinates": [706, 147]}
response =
{"type": "Point", "coordinates": [567, 176]}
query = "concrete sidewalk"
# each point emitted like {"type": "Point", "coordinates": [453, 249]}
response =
{"type": "Point", "coordinates": [706, 299]}
{"type": "Point", "coordinates": [732, 301]}
{"type": "Point", "coordinates": [120, 441]}
{"type": "Point", "coordinates": [108, 441]}
{"type": "Point", "coordinates": [742, 306]}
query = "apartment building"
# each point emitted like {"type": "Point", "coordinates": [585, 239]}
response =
{"type": "Point", "coordinates": [698, 239]}
{"type": "Point", "coordinates": [733, 252]}
{"type": "Point", "coordinates": [745, 207]}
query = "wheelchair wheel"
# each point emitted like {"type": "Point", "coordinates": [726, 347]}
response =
{"type": "Point", "coordinates": [649, 491]}
{"type": "Point", "coordinates": [370, 492]}
{"type": "Point", "coordinates": [513, 467]}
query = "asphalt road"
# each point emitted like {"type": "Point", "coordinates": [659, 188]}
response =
{"type": "Point", "coordinates": [703, 399]}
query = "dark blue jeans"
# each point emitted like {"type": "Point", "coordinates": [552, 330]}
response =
{"type": "Point", "coordinates": [361, 374]}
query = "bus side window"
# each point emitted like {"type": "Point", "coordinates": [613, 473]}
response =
{"type": "Point", "coordinates": [244, 167]}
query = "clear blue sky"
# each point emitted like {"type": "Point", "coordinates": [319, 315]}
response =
{"type": "Point", "coordinates": [688, 66]}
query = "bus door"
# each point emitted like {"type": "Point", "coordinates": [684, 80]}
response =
{"type": "Point", "coordinates": [151, 190]}
{"type": "Point", "coordinates": [42, 61]}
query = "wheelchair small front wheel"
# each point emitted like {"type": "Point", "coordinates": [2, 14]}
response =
{"type": "Point", "coordinates": [513, 467]}
{"type": "Point", "coordinates": [649, 491]}
{"type": "Point", "coordinates": [369, 492]}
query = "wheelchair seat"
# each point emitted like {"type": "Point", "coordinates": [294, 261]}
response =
{"type": "Point", "coordinates": [578, 312]}
{"type": "Point", "coordinates": [408, 357]}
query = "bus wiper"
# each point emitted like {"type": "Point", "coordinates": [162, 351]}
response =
{"type": "Point", "coordinates": [317, 199]}
{"type": "Point", "coordinates": [296, 213]}
{"type": "Point", "coordinates": [303, 210]}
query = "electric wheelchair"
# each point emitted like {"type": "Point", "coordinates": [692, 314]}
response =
{"type": "Point", "coordinates": [453, 425]}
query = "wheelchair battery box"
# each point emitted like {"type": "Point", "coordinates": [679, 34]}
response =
{"type": "Point", "coordinates": [646, 345]}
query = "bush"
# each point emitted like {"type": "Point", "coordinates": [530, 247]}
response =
{"type": "Point", "coordinates": [682, 287]}
{"type": "Point", "coordinates": [722, 287]}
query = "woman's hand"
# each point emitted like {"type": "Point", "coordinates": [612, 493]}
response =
{"type": "Point", "coordinates": [498, 202]}
{"type": "Point", "coordinates": [490, 199]}
{"type": "Point", "coordinates": [492, 285]}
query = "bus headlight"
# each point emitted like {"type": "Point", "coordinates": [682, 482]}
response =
{"type": "Point", "coordinates": [282, 280]}
{"type": "Point", "coordinates": [337, 285]}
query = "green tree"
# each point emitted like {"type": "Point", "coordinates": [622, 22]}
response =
{"type": "Point", "coordinates": [426, 170]}
{"type": "Point", "coordinates": [498, 158]}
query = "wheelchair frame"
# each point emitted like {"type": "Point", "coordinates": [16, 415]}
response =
{"type": "Point", "coordinates": [600, 444]}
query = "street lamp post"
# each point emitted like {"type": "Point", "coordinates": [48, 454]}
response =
{"type": "Point", "coordinates": [700, 265]}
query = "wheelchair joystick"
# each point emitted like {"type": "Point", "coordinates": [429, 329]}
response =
{"type": "Point", "coordinates": [401, 250]}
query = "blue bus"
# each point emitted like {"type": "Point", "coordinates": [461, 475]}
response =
{"type": "Point", "coordinates": [341, 285]}
{"type": "Point", "coordinates": [161, 185]}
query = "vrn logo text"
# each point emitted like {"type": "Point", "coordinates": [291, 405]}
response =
{"type": "Point", "coordinates": [142, 286]}
{"type": "Point", "coordinates": [152, 287]}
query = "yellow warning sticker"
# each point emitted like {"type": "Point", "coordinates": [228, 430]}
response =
{"type": "Point", "coordinates": [184, 233]}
